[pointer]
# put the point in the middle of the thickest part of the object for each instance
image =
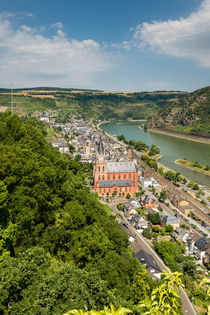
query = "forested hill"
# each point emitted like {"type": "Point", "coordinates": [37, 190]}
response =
{"type": "Point", "coordinates": [60, 248]}
{"type": "Point", "coordinates": [189, 114]}
{"type": "Point", "coordinates": [92, 104]}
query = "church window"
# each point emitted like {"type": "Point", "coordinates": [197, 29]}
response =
{"type": "Point", "coordinates": [103, 169]}
{"type": "Point", "coordinates": [99, 190]}
{"type": "Point", "coordinates": [126, 189]}
{"type": "Point", "coordinates": [114, 176]}
{"type": "Point", "coordinates": [99, 169]}
{"type": "Point", "coordinates": [124, 176]}
{"type": "Point", "coordinates": [133, 176]}
{"type": "Point", "coordinates": [108, 177]}
{"type": "Point", "coordinates": [119, 176]}
{"type": "Point", "coordinates": [130, 175]}
{"type": "Point", "coordinates": [99, 177]}
{"type": "Point", "coordinates": [103, 177]}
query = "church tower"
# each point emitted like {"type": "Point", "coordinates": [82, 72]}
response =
{"type": "Point", "coordinates": [99, 171]}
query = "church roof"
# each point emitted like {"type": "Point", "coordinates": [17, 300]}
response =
{"type": "Point", "coordinates": [112, 183]}
{"type": "Point", "coordinates": [121, 167]}
{"type": "Point", "coordinates": [100, 147]}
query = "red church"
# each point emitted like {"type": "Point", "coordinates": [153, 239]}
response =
{"type": "Point", "coordinates": [114, 177]}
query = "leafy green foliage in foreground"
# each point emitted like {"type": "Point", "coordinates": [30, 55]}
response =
{"type": "Point", "coordinates": [33, 283]}
{"type": "Point", "coordinates": [163, 300]}
{"type": "Point", "coordinates": [44, 202]}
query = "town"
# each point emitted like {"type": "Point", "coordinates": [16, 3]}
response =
{"type": "Point", "coordinates": [135, 193]}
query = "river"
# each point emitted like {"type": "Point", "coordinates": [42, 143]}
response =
{"type": "Point", "coordinates": [172, 148]}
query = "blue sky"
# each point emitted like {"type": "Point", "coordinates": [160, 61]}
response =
{"type": "Point", "coordinates": [113, 45]}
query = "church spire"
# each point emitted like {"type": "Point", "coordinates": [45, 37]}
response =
{"type": "Point", "coordinates": [100, 147]}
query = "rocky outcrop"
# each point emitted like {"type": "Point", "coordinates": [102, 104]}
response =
{"type": "Point", "coordinates": [188, 114]}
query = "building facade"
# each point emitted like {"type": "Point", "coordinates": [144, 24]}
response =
{"type": "Point", "coordinates": [113, 178]}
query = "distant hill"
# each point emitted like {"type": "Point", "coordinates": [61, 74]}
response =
{"type": "Point", "coordinates": [93, 104]}
{"type": "Point", "coordinates": [189, 114]}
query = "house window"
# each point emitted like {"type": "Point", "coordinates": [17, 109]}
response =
{"type": "Point", "coordinates": [103, 169]}
{"type": "Point", "coordinates": [103, 177]}
{"type": "Point", "coordinates": [99, 169]}
{"type": "Point", "coordinates": [99, 177]}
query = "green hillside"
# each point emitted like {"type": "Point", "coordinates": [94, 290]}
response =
{"type": "Point", "coordinates": [189, 114]}
{"type": "Point", "coordinates": [59, 246]}
{"type": "Point", "coordinates": [95, 104]}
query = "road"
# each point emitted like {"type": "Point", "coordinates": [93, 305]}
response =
{"type": "Point", "coordinates": [140, 243]}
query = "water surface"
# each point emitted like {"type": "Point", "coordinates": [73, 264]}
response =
{"type": "Point", "coordinates": [172, 148]}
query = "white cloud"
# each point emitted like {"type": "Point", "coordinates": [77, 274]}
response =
{"type": "Point", "coordinates": [186, 37]}
{"type": "Point", "coordinates": [57, 25]}
{"type": "Point", "coordinates": [28, 58]}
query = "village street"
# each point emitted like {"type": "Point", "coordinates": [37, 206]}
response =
{"type": "Point", "coordinates": [141, 244]}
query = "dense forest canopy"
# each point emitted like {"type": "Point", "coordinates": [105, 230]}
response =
{"type": "Point", "coordinates": [59, 248]}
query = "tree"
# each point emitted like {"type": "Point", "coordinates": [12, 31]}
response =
{"type": "Point", "coordinates": [140, 146]}
{"type": "Point", "coordinates": [163, 196]}
{"type": "Point", "coordinates": [154, 218]}
{"type": "Point", "coordinates": [154, 150]}
{"type": "Point", "coordinates": [128, 196]}
{"type": "Point", "coordinates": [171, 175]}
{"type": "Point", "coordinates": [3, 195]}
{"type": "Point", "coordinates": [156, 229]}
{"type": "Point", "coordinates": [141, 287]}
{"type": "Point", "coordinates": [120, 206]}
{"type": "Point", "coordinates": [184, 180]}
{"type": "Point", "coordinates": [122, 138]}
{"type": "Point", "coordinates": [131, 142]}
{"type": "Point", "coordinates": [33, 283]}
{"type": "Point", "coordinates": [169, 228]}
{"type": "Point", "coordinates": [153, 164]}
{"type": "Point", "coordinates": [161, 170]}
{"type": "Point", "coordinates": [147, 234]}
{"type": "Point", "coordinates": [165, 299]}
{"type": "Point", "coordinates": [105, 311]}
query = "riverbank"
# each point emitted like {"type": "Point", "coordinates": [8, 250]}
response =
{"type": "Point", "coordinates": [119, 121]}
{"type": "Point", "coordinates": [187, 164]}
{"type": "Point", "coordinates": [180, 135]}
{"type": "Point", "coordinates": [101, 123]}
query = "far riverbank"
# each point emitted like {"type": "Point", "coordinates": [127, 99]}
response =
{"type": "Point", "coordinates": [118, 121]}
{"type": "Point", "coordinates": [180, 135]}
{"type": "Point", "coordinates": [172, 148]}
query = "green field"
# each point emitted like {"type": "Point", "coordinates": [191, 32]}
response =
{"type": "Point", "coordinates": [92, 104]}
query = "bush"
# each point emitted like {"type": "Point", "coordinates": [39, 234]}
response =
{"type": "Point", "coordinates": [169, 228]}
{"type": "Point", "coordinates": [154, 218]}
{"type": "Point", "coordinates": [156, 229]}
{"type": "Point", "coordinates": [147, 234]}
{"type": "Point", "coordinates": [128, 196]}
{"type": "Point", "coordinates": [120, 206]}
